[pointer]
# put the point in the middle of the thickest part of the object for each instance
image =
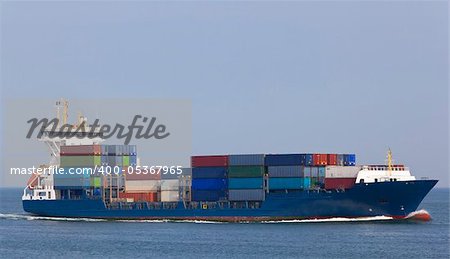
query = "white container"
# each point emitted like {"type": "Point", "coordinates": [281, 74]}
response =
{"type": "Point", "coordinates": [337, 171]}
{"type": "Point", "coordinates": [170, 185]}
{"type": "Point", "coordinates": [142, 185]}
{"type": "Point", "coordinates": [170, 196]}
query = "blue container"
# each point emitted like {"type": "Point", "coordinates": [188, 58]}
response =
{"type": "Point", "coordinates": [349, 159]}
{"type": "Point", "coordinates": [126, 150]}
{"type": "Point", "coordinates": [285, 183]}
{"type": "Point", "coordinates": [104, 160]}
{"type": "Point", "coordinates": [111, 150]}
{"type": "Point", "coordinates": [306, 183]}
{"type": "Point", "coordinates": [340, 159]}
{"type": "Point", "coordinates": [245, 183]}
{"type": "Point", "coordinates": [115, 150]}
{"type": "Point", "coordinates": [208, 195]}
{"type": "Point", "coordinates": [209, 172]}
{"type": "Point", "coordinates": [321, 172]}
{"type": "Point", "coordinates": [250, 159]}
{"type": "Point", "coordinates": [306, 159]}
{"type": "Point", "coordinates": [209, 184]}
{"type": "Point", "coordinates": [133, 160]}
{"type": "Point", "coordinates": [119, 160]}
{"type": "Point", "coordinates": [285, 171]}
{"type": "Point", "coordinates": [133, 150]}
{"type": "Point", "coordinates": [282, 159]}
{"type": "Point", "coordinates": [111, 160]}
{"type": "Point", "coordinates": [104, 149]}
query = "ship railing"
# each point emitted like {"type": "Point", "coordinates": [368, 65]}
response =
{"type": "Point", "coordinates": [385, 168]}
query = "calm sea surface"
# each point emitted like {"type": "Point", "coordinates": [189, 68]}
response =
{"type": "Point", "coordinates": [23, 235]}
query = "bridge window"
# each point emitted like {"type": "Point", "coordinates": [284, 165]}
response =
{"type": "Point", "coordinates": [376, 180]}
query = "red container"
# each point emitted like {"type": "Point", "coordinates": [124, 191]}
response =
{"type": "Point", "coordinates": [339, 183]}
{"type": "Point", "coordinates": [80, 150]}
{"type": "Point", "coordinates": [145, 196]}
{"type": "Point", "coordinates": [131, 173]}
{"type": "Point", "coordinates": [320, 159]}
{"type": "Point", "coordinates": [332, 159]}
{"type": "Point", "coordinates": [205, 161]}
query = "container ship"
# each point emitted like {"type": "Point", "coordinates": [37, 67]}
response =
{"type": "Point", "coordinates": [231, 188]}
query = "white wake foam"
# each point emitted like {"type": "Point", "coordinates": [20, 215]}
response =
{"type": "Point", "coordinates": [169, 220]}
{"type": "Point", "coordinates": [31, 217]}
{"type": "Point", "coordinates": [375, 218]}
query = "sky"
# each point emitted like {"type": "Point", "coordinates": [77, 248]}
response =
{"type": "Point", "coordinates": [262, 77]}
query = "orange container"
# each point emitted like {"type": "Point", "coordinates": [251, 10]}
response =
{"type": "Point", "coordinates": [332, 159]}
{"type": "Point", "coordinates": [320, 159]}
{"type": "Point", "coordinates": [145, 196]}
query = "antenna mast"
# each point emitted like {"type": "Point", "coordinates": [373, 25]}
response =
{"type": "Point", "coordinates": [389, 160]}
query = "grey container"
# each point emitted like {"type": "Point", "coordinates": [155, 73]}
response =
{"type": "Point", "coordinates": [125, 150]}
{"type": "Point", "coordinates": [115, 150]}
{"type": "Point", "coordinates": [104, 149]}
{"type": "Point", "coordinates": [246, 195]}
{"type": "Point", "coordinates": [248, 159]}
{"type": "Point", "coordinates": [114, 160]}
{"type": "Point", "coordinates": [285, 171]}
{"type": "Point", "coordinates": [185, 171]}
{"type": "Point", "coordinates": [342, 171]}
{"type": "Point", "coordinates": [128, 150]}
{"type": "Point", "coordinates": [169, 176]}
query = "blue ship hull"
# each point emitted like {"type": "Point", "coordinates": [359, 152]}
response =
{"type": "Point", "coordinates": [395, 199]}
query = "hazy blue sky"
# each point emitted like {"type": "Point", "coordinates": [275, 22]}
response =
{"type": "Point", "coordinates": [262, 76]}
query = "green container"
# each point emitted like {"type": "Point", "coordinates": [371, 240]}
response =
{"type": "Point", "coordinates": [97, 160]}
{"type": "Point", "coordinates": [126, 160]}
{"type": "Point", "coordinates": [96, 181]}
{"type": "Point", "coordinates": [77, 161]}
{"type": "Point", "coordinates": [245, 171]}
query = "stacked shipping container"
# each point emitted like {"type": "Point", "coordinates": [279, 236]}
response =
{"type": "Point", "coordinates": [143, 186]}
{"type": "Point", "coordinates": [246, 177]}
{"type": "Point", "coordinates": [302, 171]}
{"type": "Point", "coordinates": [285, 171]}
{"type": "Point", "coordinates": [170, 190]}
{"type": "Point", "coordinates": [213, 178]}
{"type": "Point", "coordinates": [111, 160]}
{"type": "Point", "coordinates": [341, 177]}
{"type": "Point", "coordinates": [209, 178]}
{"type": "Point", "coordinates": [79, 162]}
